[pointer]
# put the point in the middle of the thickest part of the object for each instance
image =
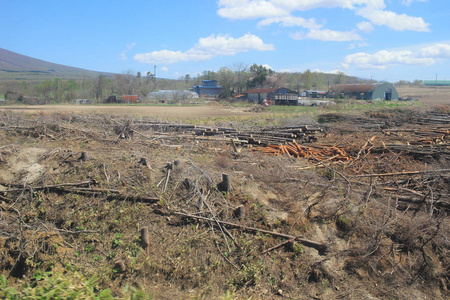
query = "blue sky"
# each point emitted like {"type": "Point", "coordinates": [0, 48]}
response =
{"type": "Point", "coordinates": [383, 39]}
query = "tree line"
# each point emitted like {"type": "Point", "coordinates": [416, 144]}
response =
{"type": "Point", "coordinates": [234, 80]}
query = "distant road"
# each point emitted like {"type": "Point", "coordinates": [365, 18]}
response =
{"type": "Point", "coordinates": [181, 112]}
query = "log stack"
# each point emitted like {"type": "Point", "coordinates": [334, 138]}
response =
{"type": "Point", "coordinates": [264, 136]}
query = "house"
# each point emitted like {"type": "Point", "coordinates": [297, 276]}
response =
{"type": "Point", "coordinates": [385, 91]}
{"type": "Point", "coordinates": [208, 89]}
{"type": "Point", "coordinates": [278, 96]}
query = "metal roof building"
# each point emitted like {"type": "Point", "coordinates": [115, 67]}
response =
{"type": "Point", "coordinates": [279, 95]}
{"type": "Point", "coordinates": [436, 83]}
{"type": "Point", "coordinates": [209, 88]}
{"type": "Point", "coordinates": [384, 91]}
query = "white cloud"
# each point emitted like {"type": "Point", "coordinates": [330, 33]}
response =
{"type": "Point", "coordinates": [408, 2]}
{"type": "Point", "coordinates": [328, 72]}
{"type": "Point", "coordinates": [357, 45]}
{"type": "Point", "coordinates": [441, 51]}
{"type": "Point", "coordinates": [268, 67]}
{"type": "Point", "coordinates": [250, 9]}
{"type": "Point", "coordinates": [365, 27]}
{"type": "Point", "coordinates": [393, 20]}
{"type": "Point", "coordinates": [123, 55]}
{"type": "Point", "coordinates": [291, 21]}
{"type": "Point", "coordinates": [207, 48]}
{"type": "Point", "coordinates": [281, 12]}
{"type": "Point", "coordinates": [383, 59]}
{"type": "Point", "coordinates": [327, 35]}
{"type": "Point", "coordinates": [164, 69]}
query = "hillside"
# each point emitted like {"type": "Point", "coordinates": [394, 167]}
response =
{"type": "Point", "coordinates": [14, 66]}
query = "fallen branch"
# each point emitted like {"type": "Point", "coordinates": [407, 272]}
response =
{"type": "Point", "coordinates": [46, 186]}
{"type": "Point", "coordinates": [112, 194]}
{"type": "Point", "coordinates": [77, 232]}
{"type": "Point", "coordinates": [277, 246]}
{"type": "Point", "coordinates": [322, 248]}
{"type": "Point", "coordinates": [405, 173]}
{"type": "Point", "coordinates": [438, 203]}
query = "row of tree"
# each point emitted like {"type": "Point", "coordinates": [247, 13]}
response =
{"type": "Point", "coordinates": [234, 80]}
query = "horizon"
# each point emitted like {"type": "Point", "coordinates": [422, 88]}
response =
{"type": "Point", "coordinates": [386, 41]}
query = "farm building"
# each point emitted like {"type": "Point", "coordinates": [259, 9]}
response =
{"type": "Point", "coordinates": [209, 88]}
{"type": "Point", "coordinates": [314, 94]}
{"type": "Point", "coordinates": [278, 96]}
{"type": "Point", "coordinates": [384, 91]}
{"type": "Point", "coordinates": [436, 83]}
{"type": "Point", "coordinates": [131, 98]}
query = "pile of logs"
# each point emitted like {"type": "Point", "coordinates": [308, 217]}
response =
{"type": "Point", "coordinates": [263, 136]}
{"type": "Point", "coordinates": [435, 118]}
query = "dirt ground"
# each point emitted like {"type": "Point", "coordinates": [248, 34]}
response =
{"type": "Point", "coordinates": [171, 112]}
{"type": "Point", "coordinates": [361, 214]}
{"type": "Point", "coordinates": [428, 95]}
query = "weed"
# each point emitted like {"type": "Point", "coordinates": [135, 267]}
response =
{"type": "Point", "coordinates": [117, 241]}
{"type": "Point", "coordinates": [48, 285]}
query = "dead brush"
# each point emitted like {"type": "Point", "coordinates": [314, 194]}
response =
{"type": "Point", "coordinates": [124, 131]}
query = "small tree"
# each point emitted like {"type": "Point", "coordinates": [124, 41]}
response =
{"type": "Point", "coordinates": [98, 86]}
{"type": "Point", "coordinates": [259, 75]}
{"type": "Point", "coordinates": [340, 78]}
{"type": "Point", "coordinates": [227, 80]}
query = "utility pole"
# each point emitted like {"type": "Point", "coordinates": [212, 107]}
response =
{"type": "Point", "coordinates": [154, 71]}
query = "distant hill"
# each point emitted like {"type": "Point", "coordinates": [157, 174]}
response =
{"type": "Point", "coordinates": [15, 66]}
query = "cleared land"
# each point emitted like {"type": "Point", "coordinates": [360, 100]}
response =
{"type": "Point", "coordinates": [428, 95]}
{"type": "Point", "coordinates": [142, 204]}
{"type": "Point", "coordinates": [181, 112]}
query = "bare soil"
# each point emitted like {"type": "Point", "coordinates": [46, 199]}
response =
{"type": "Point", "coordinates": [428, 95]}
{"type": "Point", "coordinates": [374, 224]}
{"type": "Point", "coordinates": [171, 112]}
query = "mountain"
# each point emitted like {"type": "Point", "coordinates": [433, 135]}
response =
{"type": "Point", "coordinates": [15, 66]}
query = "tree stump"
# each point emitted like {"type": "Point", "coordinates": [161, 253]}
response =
{"type": "Point", "coordinates": [120, 266]}
{"type": "Point", "coordinates": [84, 156]}
{"type": "Point", "coordinates": [239, 212]}
{"type": "Point", "coordinates": [225, 185]}
{"type": "Point", "coordinates": [144, 162]}
{"type": "Point", "coordinates": [290, 246]}
{"type": "Point", "coordinates": [145, 238]}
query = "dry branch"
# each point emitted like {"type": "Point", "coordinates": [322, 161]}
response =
{"type": "Point", "coordinates": [405, 173]}
{"type": "Point", "coordinates": [322, 248]}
